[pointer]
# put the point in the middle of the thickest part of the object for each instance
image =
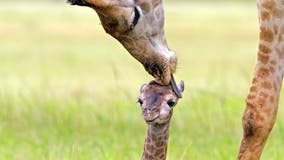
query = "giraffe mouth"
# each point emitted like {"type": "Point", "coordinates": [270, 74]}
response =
{"type": "Point", "coordinates": [151, 120]}
{"type": "Point", "coordinates": [156, 121]}
{"type": "Point", "coordinates": [148, 120]}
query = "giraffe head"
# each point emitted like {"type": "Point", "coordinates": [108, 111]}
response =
{"type": "Point", "coordinates": [139, 26]}
{"type": "Point", "coordinates": [157, 102]}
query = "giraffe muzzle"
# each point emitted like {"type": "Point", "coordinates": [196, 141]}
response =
{"type": "Point", "coordinates": [149, 118]}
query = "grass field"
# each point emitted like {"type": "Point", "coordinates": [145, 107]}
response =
{"type": "Point", "coordinates": [68, 90]}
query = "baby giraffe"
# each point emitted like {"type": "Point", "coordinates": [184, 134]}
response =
{"type": "Point", "coordinates": [157, 103]}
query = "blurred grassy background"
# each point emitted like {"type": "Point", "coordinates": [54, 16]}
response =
{"type": "Point", "coordinates": [68, 90]}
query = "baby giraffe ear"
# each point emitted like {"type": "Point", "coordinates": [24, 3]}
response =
{"type": "Point", "coordinates": [181, 86]}
{"type": "Point", "coordinates": [142, 88]}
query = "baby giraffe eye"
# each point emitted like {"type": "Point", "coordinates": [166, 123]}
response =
{"type": "Point", "coordinates": [140, 101]}
{"type": "Point", "coordinates": [171, 103]}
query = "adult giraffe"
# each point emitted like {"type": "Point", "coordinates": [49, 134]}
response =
{"type": "Point", "coordinates": [138, 26]}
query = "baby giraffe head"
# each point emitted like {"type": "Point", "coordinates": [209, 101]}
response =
{"type": "Point", "coordinates": [157, 102]}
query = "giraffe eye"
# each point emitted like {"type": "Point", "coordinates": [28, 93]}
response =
{"type": "Point", "coordinates": [140, 101]}
{"type": "Point", "coordinates": [171, 102]}
{"type": "Point", "coordinates": [136, 18]}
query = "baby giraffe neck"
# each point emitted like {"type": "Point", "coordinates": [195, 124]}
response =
{"type": "Point", "coordinates": [155, 147]}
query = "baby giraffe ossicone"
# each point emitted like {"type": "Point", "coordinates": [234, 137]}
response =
{"type": "Point", "coordinates": [157, 103]}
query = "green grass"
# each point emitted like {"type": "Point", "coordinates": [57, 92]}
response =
{"type": "Point", "coordinates": [68, 90]}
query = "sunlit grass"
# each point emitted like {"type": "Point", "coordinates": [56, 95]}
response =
{"type": "Point", "coordinates": [68, 90]}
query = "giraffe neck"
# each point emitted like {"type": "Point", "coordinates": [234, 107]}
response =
{"type": "Point", "coordinates": [155, 147]}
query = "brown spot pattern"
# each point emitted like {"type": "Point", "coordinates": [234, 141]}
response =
{"type": "Point", "coordinates": [151, 157]}
{"type": "Point", "coordinates": [250, 97]}
{"type": "Point", "coordinates": [145, 7]}
{"type": "Point", "coordinates": [263, 72]}
{"type": "Point", "coordinates": [162, 156]}
{"type": "Point", "coordinates": [263, 58]}
{"type": "Point", "coordinates": [266, 34]}
{"type": "Point", "coordinates": [265, 16]}
{"type": "Point", "coordinates": [253, 89]}
{"type": "Point", "coordinates": [159, 151]}
{"type": "Point", "coordinates": [159, 143]}
{"type": "Point", "coordinates": [264, 49]}
{"type": "Point", "coordinates": [254, 80]}
{"type": "Point", "coordinates": [266, 85]}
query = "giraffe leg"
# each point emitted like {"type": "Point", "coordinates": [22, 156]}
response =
{"type": "Point", "coordinates": [260, 113]}
{"type": "Point", "coordinates": [255, 134]}
{"type": "Point", "coordinates": [262, 100]}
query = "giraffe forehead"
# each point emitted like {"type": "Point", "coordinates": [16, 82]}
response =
{"type": "Point", "coordinates": [154, 98]}
{"type": "Point", "coordinates": [155, 89]}
{"type": "Point", "coordinates": [156, 94]}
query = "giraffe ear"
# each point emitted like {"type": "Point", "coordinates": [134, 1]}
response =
{"type": "Point", "coordinates": [142, 88]}
{"type": "Point", "coordinates": [181, 86]}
